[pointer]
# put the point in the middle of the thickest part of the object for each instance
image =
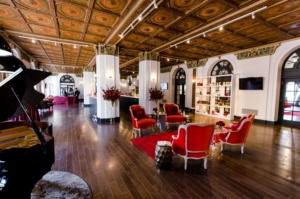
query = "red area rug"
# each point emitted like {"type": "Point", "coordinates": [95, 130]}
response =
{"type": "Point", "coordinates": [294, 113]}
{"type": "Point", "coordinates": [148, 143]}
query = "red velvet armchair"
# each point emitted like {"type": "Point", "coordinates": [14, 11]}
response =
{"type": "Point", "coordinates": [173, 115]}
{"type": "Point", "coordinates": [193, 141]}
{"type": "Point", "coordinates": [139, 119]}
{"type": "Point", "coordinates": [237, 132]}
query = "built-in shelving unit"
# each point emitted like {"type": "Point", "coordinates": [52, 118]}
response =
{"type": "Point", "coordinates": [215, 96]}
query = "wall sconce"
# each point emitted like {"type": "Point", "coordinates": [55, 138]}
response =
{"type": "Point", "coordinates": [193, 81]}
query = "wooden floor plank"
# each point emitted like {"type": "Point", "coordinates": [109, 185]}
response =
{"type": "Point", "coordinates": [104, 157]}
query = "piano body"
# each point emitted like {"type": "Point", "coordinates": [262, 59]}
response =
{"type": "Point", "coordinates": [26, 147]}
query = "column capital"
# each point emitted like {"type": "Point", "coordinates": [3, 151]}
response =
{"type": "Point", "coordinates": [107, 49]}
{"type": "Point", "coordinates": [88, 69]}
{"type": "Point", "coordinates": [149, 56]}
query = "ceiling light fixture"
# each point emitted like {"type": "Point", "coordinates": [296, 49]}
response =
{"type": "Point", "coordinates": [188, 41]}
{"type": "Point", "coordinates": [33, 40]}
{"type": "Point", "coordinates": [253, 15]}
{"type": "Point", "coordinates": [175, 59]}
{"type": "Point", "coordinates": [138, 19]}
{"type": "Point", "coordinates": [236, 19]}
{"type": "Point", "coordinates": [55, 42]}
{"type": "Point", "coordinates": [221, 27]}
{"type": "Point", "coordinates": [154, 4]}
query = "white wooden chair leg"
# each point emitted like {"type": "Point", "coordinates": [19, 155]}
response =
{"type": "Point", "coordinates": [242, 149]}
{"type": "Point", "coordinates": [205, 163]}
{"type": "Point", "coordinates": [221, 144]}
{"type": "Point", "coordinates": [185, 163]}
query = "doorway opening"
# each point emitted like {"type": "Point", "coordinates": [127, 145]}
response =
{"type": "Point", "coordinates": [289, 112]}
{"type": "Point", "coordinates": [180, 87]}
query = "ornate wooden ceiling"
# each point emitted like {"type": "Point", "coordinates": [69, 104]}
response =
{"type": "Point", "coordinates": [91, 22]}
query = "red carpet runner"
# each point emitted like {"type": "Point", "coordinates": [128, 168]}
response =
{"type": "Point", "coordinates": [148, 143]}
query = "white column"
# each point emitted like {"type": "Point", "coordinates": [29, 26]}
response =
{"type": "Point", "coordinates": [108, 75]}
{"type": "Point", "coordinates": [149, 73]}
{"type": "Point", "coordinates": [88, 86]}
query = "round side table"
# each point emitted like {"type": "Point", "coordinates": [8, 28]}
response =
{"type": "Point", "coordinates": [163, 155]}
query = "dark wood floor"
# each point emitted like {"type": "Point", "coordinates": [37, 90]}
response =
{"type": "Point", "coordinates": [114, 168]}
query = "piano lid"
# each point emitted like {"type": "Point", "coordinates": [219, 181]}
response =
{"type": "Point", "coordinates": [23, 84]}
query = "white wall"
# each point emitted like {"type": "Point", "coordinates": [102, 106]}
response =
{"type": "Point", "coordinates": [53, 85]}
{"type": "Point", "coordinates": [170, 79]}
{"type": "Point", "coordinates": [265, 101]}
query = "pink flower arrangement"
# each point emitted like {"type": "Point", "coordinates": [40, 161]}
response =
{"type": "Point", "coordinates": [156, 94]}
{"type": "Point", "coordinates": [111, 94]}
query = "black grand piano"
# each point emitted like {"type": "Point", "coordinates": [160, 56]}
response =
{"type": "Point", "coordinates": [26, 147]}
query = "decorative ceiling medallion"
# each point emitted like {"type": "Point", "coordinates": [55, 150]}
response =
{"type": "Point", "coordinates": [38, 18]}
{"type": "Point", "coordinates": [257, 52]}
{"type": "Point", "coordinates": [254, 29]}
{"type": "Point", "coordinates": [115, 6]}
{"type": "Point", "coordinates": [33, 4]}
{"type": "Point", "coordinates": [127, 44]}
{"type": "Point", "coordinates": [93, 38]}
{"type": "Point", "coordinates": [143, 47]}
{"type": "Point", "coordinates": [266, 34]}
{"type": "Point", "coordinates": [70, 25]}
{"type": "Point", "coordinates": [279, 9]}
{"type": "Point", "coordinates": [154, 56]}
{"type": "Point", "coordinates": [227, 38]}
{"type": "Point", "coordinates": [186, 24]}
{"type": "Point", "coordinates": [167, 34]}
{"type": "Point", "coordinates": [184, 5]}
{"type": "Point", "coordinates": [11, 24]}
{"type": "Point", "coordinates": [7, 12]}
{"type": "Point", "coordinates": [97, 30]}
{"type": "Point", "coordinates": [103, 18]}
{"type": "Point", "coordinates": [136, 37]}
{"type": "Point", "coordinates": [70, 35]}
{"type": "Point", "coordinates": [216, 33]}
{"type": "Point", "coordinates": [148, 29]}
{"type": "Point", "coordinates": [294, 16]}
{"type": "Point", "coordinates": [154, 41]}
{"type": "Point", "coordinates": [212, 10]}
{"type": "Point", "coordinates": [42, 30]}
{"type": "Point", "coordinates": [162, 18]}
{"type": "Point", "coordinates": [241, 23]}
{"type": "Point", "coordinates": [72, 11]}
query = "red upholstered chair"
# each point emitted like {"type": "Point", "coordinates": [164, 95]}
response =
{"type": "Point", "coordinates": [237, 124]}
{"type": "Point", "coordinates": [173, 115]}
{"type": "Point", "coordinates": [193, 141]}
{"type": "Point", "coordinates": [237, 133]}
{"type": "Point", "coordinates": [140, 120]}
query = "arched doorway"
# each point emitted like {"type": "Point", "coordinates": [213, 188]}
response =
{"type": "Point", "coordinates": [67, 85]}
{"type": "Point", "coordinates": [289, 112]}
{"type": "Point", "coordinates": [180, 88]}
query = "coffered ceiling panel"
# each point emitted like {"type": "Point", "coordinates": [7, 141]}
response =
{"type": "Point", "coordinates": [67, 10]}
{"type": "Point", "coordinates": [43, 30]}
{"type": "Point", "coordinates": [66, 31]}
{"type": "Point", "coordinates": [36, 5]}
{"type": "Point", "coordinates": [37, 18]}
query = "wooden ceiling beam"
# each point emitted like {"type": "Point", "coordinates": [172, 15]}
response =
{"type": "Point", "coordinates": [17, 11]}
{"type": "Point", "coordinates": [54, 17]}
{"type": "Point", "coordinates": [231, 3]}
{"type": "Point", "coordinates": [87, 18]}
{"type": "Point", "coordinates": [272, 26]}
